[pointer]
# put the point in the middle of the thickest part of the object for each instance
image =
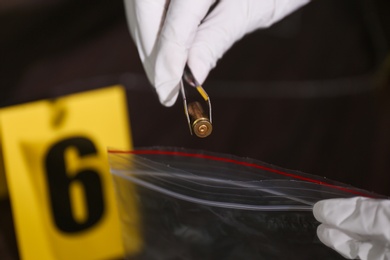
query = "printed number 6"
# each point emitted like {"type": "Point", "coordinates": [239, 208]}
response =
{"type": "Point", "coordinates": [59, 183]}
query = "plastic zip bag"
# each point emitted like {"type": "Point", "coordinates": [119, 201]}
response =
{"type": "Point", "coordinates": [199, 205]}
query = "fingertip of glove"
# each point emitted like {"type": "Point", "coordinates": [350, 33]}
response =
{"type": "Point", "coordinates": [168, 94]}
{"type": "Point", "coordinates": [328, 235]}
{"type": "Point", "coordinates": [318, 211]}
{"type": "Point", "coordinates": [324, 234]}
{"type": "Point", "coordinates": [340, 241]}
{"type": "Point", "coordinates": [320, 230]}
{"type": "Point", "coordinates": [334, 210]}
{"type": "Point", "coordinates": [168, 102]}
{"type": "Point", "coordinates": [200, 72]}
{"type": "Point", "coordinates": [200, 64]}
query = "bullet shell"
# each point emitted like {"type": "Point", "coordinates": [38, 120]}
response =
{"type": "Point", "coordinates": [201, 124]}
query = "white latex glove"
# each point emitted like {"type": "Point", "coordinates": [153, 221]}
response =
{"type": "Point", "coordinates": [355, 227]}
{"type": "Point", "coordinates": [169, 33]}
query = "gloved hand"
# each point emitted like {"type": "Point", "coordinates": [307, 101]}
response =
{"type": "Point", "coordinates": [169, 33]}
{"type": "Point", "coordinates": [355, 227]}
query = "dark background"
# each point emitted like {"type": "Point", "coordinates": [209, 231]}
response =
{"type": "Point", "coordinates": [311, 93]}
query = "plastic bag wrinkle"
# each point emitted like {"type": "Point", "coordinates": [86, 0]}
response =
{"type": "Point", "coordinates": [196, 205]}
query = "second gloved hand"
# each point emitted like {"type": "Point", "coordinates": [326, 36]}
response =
{"type": "Point", "coordinates": [171, 33]}
{"type": "Point", "coordinates": [355, 227]}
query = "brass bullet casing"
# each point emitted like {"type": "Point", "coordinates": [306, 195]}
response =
{"type": "Point", "coordinates": [201, 124]}
{"type": "Point", "coordinates": [202, 127]}
{"type": "Point", "coordinates": [195, 99]}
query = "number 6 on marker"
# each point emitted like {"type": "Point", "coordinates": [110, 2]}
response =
{"type": "Point", "coordinates": [59, 183]}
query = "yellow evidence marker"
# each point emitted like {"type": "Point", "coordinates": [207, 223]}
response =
{"type": "Point", "coordinates": [59, 184]}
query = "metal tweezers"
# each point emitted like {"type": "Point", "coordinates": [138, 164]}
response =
{"type": "Point", "coordinates": [195, 100]}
